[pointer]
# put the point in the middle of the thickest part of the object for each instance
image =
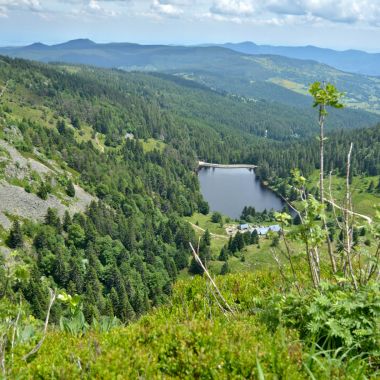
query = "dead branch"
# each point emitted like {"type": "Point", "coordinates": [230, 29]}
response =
{"type": "Point", "coordinates": [199, 261]}
{"type": "Point", "coordinates": [39, 344]}
{"type": "Point", "coordinates": [367, 218]}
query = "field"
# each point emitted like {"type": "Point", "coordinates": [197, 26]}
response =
{"type": "Point", "coordinates": [150, 144]}
{"type": "Point", "coordinates": [363, 201]}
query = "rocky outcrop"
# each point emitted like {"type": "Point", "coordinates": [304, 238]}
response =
{"type": "Point", "coordinates": [14, 200]}
{"type": "Point", "coordinates": [20, 166]}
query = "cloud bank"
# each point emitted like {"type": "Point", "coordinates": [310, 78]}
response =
{"type": "Point", "coordinates": [350, 12]}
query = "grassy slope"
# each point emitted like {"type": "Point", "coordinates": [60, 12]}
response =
{"type": "Point", "coordinates": [191, 338]}
{"type": "Point", "coordinates": [188, 339]}
{"type": "Point", "coordinates": [362, 200]}
{"type": "Point", "coordinates": [23, 104]}
{"type": "Point", "coordinates": [256, 257]}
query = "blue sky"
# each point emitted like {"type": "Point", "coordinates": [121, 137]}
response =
{"type": "Point", "coordinates": [340, 24]}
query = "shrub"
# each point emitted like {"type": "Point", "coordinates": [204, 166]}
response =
{"type": "Point", "coordinates": [337, 318]}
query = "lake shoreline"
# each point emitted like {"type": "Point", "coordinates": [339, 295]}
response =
{"type": "Point", "coordinates": [229, 191]}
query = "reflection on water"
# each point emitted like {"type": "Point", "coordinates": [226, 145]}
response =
{"type": "Point", "coordinates": [229, 190]}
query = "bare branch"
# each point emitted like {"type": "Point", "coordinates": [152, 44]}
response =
{"type": "Point", "coordinates": [199, 261]}
{"type": "Point", "coordinates": [39, 344]}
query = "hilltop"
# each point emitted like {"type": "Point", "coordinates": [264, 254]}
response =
{"type": "Point", "coordinates": [354, 61]}
{"type": "Point", "coordinates": [269, 77]}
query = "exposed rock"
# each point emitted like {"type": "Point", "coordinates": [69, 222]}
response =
{"type": "Point", "coordinates": [13, 133]}
{"type": "Point", "coordinates": [81, 201]}
{"type": "Point", "coordinates": [20, 165]}
{"type": "Point", "coordinates": [4, 221]}
{"type": "Point", "coordinates": [5, 251]}
{"type": "Point", "coordinates": [14, 200]}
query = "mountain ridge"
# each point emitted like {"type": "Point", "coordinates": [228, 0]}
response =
{"type": "Point", "coordinates": [269, 77]}
{"type": "Point", "coordinates": [351, 60]}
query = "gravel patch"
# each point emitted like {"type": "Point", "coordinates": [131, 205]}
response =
{"type": "Point", "coordinates": [14, 200]}
{"type": "Point", "coordinates": [21, 164]}
{"type": "Point", "coordinates": [5, 252]}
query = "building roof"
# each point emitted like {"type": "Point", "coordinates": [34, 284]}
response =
{"type": "Point", "coordinates": [262, 230]}
{"type": "Point", "coordinates": [265, 230]}
{"type": "Point", "coordinates": [244, 226]}
{"type": "Point", "coordinates": [275, 228]}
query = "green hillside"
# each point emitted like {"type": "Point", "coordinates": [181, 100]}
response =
{"type": "Point", "coordinates": [268, 77]}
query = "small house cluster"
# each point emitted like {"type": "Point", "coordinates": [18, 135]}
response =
{"type": "Point", "coordinates": [259, 229]}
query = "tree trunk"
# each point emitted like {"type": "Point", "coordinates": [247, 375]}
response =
{"type": "Point", "coordinates": [322, 110]}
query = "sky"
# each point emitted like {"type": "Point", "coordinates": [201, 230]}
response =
{"type": "Point", "coordinates": [338, 24]}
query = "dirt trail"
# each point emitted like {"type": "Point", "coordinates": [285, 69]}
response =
{"type": "Point", "coordinates": [212, 235]}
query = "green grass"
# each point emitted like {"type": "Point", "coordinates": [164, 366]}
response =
{"type": "Point", "coordinates": [256, 257]}
{"type": "Point", "coordinates": [204, 221]}
{"type": "Point", "coordinates": [187, 339]}
{"type": "Point", "coordinates": [86, 133]}
{"type": "Point", "coordinates": [363, 202]}
{"type": "Point", "coordinates": [290, 85]}
{"type": "Point", "coordinates": [151, 144]}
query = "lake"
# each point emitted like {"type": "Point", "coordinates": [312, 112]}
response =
{"type": "Point", "coordinates": [228, 190]}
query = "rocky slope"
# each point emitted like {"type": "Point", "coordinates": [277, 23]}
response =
{"type": "Point", "coordinates": [19, 178]}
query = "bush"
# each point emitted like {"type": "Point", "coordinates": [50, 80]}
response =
{"type": "Point", "coordinates": [70, 190]}
{"type": "Point", "coordinates": [43, 190]}
{"type": "Point", "coordinates": [337, 318]}
{"type": "Point", "coordinates": [216, 217]}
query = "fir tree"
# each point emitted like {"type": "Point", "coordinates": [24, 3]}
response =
{"type": "Point", "coordinates": [371, 187]}
{"type": "Point", "coordinates": [225, 268]}
{"type": "Point", "coordinates": [70, 189]}
{"type": "Point", "coordinates": [66, 221]}
{"type": "Point", "coordinates": [16, 239]}
{"type": "Point", "coordinates": [52, 219]}
{"type": "Point", "coordinates": [223, 256]}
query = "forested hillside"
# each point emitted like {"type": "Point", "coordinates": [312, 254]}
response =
{"type": "Point", "coordinates": [354, 61]}
{"type": "Point", "coordinates": [269, 77]}
{"type": "Point", "coordinates": [132, 227]}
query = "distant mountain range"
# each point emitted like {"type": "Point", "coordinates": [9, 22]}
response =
{"type": "Point", "coordinates": [354, 61]}
{"type": "Point", "coordinates": [223, 68]}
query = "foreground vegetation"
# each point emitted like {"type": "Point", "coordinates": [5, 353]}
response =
{"type": "Point", "coordinates": [273, 334]}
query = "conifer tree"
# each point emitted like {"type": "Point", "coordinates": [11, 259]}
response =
{"type": "Point", "coordinates": [223, 256]}
{"type": "Point", "coordinates": [225, 268]}
{"type": "Point", "coordinates": [16, 239]}
{"type": "Point", "coordinates": [70, 189]}
{"type": "Point", "coordinates": [66, 221]}
{"type": "Point", "coordinates": [52, 219]}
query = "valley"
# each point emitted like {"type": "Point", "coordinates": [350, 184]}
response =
{"type": "Point", "coordinates": [109, 172]}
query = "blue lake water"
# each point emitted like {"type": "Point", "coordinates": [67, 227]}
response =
{"type": "Point", "coordinates": [228, 190]}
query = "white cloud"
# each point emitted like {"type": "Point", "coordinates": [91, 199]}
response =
{"type": "Point", "coordinates": [3, 12]}
{"type": "Point", "coordinates": [233, 8]}
{"type": "Point", "coordinates": [167, 8]}
{"type": "Point", "coordinates": [272, 12]}
{"type": "Point", "coordinates": [298, 11]}
{"type": "Point", "coordinates": [31, 5]}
